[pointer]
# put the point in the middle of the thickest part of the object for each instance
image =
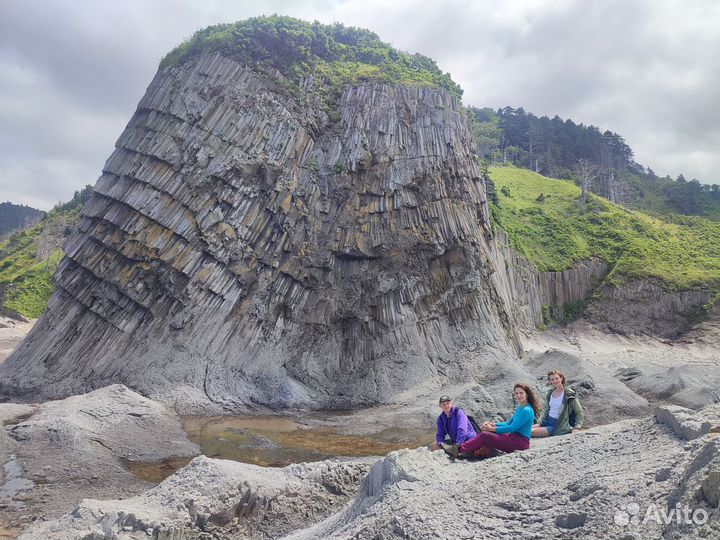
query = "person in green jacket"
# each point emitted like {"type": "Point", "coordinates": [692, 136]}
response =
{"type": "Point", "coordinates": [562, 412]}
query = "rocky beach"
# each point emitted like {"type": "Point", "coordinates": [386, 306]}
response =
{"type": "Point", "coordinates": [289, 255]}
{"type": "Point", "coordinates": [70, 458]}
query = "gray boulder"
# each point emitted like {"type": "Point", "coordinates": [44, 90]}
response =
{"type": "Point", "coordinates": [78, 447]}
{"type": "Point", "coordinates": [604, 399]}
{"type": "Point", "coordinates": [692, 386]}
{"type": "Point", "coordinates": [218, 497]}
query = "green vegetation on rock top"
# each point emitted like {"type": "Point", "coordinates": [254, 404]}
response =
{"type": "Point", "coordinates": [546, 222]}
{"type": "Point", "coordinates": [297, 49]}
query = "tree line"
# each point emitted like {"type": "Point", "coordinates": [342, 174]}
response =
{"type": "Point", "coordinates": [600, 161]}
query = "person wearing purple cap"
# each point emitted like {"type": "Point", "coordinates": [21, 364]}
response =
{"type": "Point", "coordinates": [453, 424]}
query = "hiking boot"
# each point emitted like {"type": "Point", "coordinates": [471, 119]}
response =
{"type": "Point", "coordinates": [483, 452]}
{"type": "Point", "coordinates": [451, 450]}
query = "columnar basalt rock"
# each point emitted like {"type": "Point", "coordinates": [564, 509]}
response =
{"type": "Point", "coordinates": [240, 248]}
{"type": "Point", "coordinates": [644, 307]}
{"type": "Point", "coordinates": [528, 290]}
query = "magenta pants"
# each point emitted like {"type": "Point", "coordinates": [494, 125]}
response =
{"type": "Point", "coordinates": [505, 442]}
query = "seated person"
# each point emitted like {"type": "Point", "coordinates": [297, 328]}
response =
{"type": "Point", "coordinates": [562, 412]}
{"type": "Point", "coordinates": [504, 436]}
{"type": "Point", "coordinates": [452, 424]}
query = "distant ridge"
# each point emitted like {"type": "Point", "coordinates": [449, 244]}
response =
{"type": "Point", "coordinates": [15, 217]}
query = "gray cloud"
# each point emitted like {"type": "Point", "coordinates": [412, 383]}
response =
{"type": "Point", "coordinates": [72, 71]}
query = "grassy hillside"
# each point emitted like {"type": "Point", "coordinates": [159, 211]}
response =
{"type": "Point", "coordinates": [553, 147]}
{"type": "Point", "coordinates": [548, 224]}
{"type": "Point", "coordinates": [28, 258]}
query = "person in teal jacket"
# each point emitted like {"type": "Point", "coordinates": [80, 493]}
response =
{"type": "Point", "coordinates": [504, 436]}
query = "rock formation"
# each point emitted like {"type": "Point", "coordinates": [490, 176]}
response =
{"type": "Point", "coordinates": [692, 386]}
{"type": "Point", "coordinates": [247, 246]}
{"type": "Point", "coordinates": [643, 306]}
{"type": "Point", "coordinates": [221, 498]}
{"type": "Point", "coordinates": [604, 399]}
{"type": "Point", "coordinates": [63, 451]}
{"type": "Point", "coordinates": [531, 291]}
{"type": "Point", "coordinates": [623, 480]}
{"type": "Point", "coordinates": [241, 248]}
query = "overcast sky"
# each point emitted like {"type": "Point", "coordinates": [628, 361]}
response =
{"type": "Point", "coordinates": [72, 71]}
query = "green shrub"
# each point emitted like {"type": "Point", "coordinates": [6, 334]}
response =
{"type": "Point", "coordinates": [28, 258]}
{"type": "Point", "coordinates": [681, 251]}
{"type": "Point", "coordinates": [30, 292]}
{"type": "Point", "coordinates": [335, 55]}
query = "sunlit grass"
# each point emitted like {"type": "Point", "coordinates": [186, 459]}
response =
{"type": "Point", "coordinates": [548, 224]}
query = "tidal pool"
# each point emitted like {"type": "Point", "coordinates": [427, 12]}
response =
{"type": "Point", "coordinates": [14, 484]}
{"type": "Point", "coordinates": [276, 441]}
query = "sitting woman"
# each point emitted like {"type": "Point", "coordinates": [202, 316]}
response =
{"type": "Point", "coordinates": [503, 436]}
{"type": "Point", "coordinates": [562, 412]}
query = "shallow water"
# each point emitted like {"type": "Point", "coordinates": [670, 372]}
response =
{"type": "Point", "coordinates": [14, 484]}
{"type": "Point", "coordinates": [276, 441]}
{"type": "Point", "coordinates": [155, 471]}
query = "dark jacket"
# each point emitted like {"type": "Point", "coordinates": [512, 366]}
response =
{"type": "Point", "coordinates": [571, 404]}
{"type": "Point", "coordinates": [457, 427]}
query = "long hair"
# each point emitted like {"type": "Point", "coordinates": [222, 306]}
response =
{"type": "Point", "coordinates": [531, 397]}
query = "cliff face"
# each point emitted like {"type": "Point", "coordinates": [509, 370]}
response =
{"type": "Point", "coordinates": [626, 306]}
{"type": "Point", "coordinates": [527, 290]}
{"type": "Point", "coordinates": [644, 307]}
{"type": "Point", "coordinates": [240, 244]}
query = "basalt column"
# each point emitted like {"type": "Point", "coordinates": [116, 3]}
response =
{"type": "Point", "coordinates": [243, 247]}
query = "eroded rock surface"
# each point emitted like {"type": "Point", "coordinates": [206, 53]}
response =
{"type": "Point", "coordinates": [691, 386]}
{"type": "Point", "coordinates": [242, 248]}
{"type": "Point", "coordinates": [219, 499]}
{"type": "Point", "coordinates": [604, 399]}
{"type": "Point", "coordinates": [529, 291]}
{"type": "Point", "coordinates": [683, 372]}
{"type": "Point", "coordinates": [644, 307]}
{"type": "Point", "coordinates": [684, 423]}
{"type": "Point", "coordinates": [72, 448]}
{"type": "Point", "coordinates": [579, 485]}
{"type": "Point", "coordinates": [588, 484]}
{"type": "Point", "coordinates": [113, 420]}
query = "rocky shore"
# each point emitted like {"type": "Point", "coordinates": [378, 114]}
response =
{"type": "Point", "coordinates": [69, 454]}
{"type": "Point", "coordinates": [66, 450]}
{"type": "Point", "coordinates": [252, 247]}
{"type": "Point", "coordinates": [589, 484]}
{"type": "Point", "coordinates": [64, 475]}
